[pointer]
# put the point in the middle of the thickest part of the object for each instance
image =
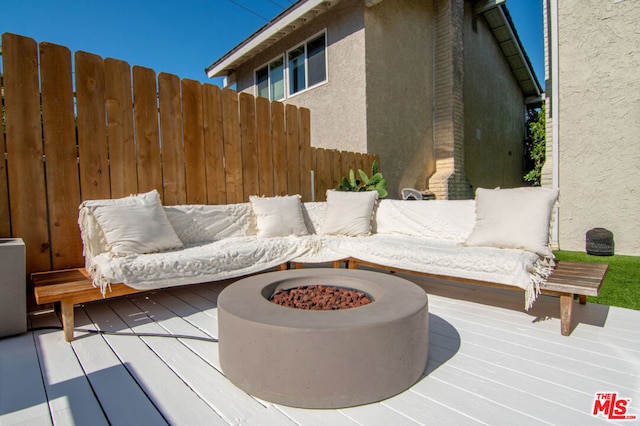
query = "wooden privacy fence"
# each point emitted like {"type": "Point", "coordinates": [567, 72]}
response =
{"type": "Point", "coordinates": [101, 129]}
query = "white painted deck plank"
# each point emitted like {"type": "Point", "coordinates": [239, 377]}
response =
{"type": "Point", "coordinates": [512, 398]}
{"type": "Point", "coordinates": [584, 361]}
{"type": "Point", "coordinates": [307, 417]}
{"type": "Point", "coordinates": [193, 297]}
{"type": "Point", "coordinates": [590, 336]}
{"type": "Point", "coordinates": [203, 320]}
{"type": "Point", "coordinates": [427, 411]}
{"type": "Point", "coordinates": [589, 319]}
{"type": "Point", "coordinates": [22, 396]}
{"type": "Point", "coordinates": [231, 403]}
{"type": "Point", "coordinates": [377, 414]}
{"type": "Point", "coordinates": [122, 399]}
{"type": "Point", "coordinates": [173, 397]}
{"type": "Point", "coordinates": [517, 323]}
{"type": "Point", "coordinates": [573, 367]}
{"type": "Point", "coordinates": [572, 373]}
{"type": "Point", "coordinates": [71, 398]}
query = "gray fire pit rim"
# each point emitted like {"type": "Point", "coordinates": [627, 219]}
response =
{"type": "Point", "coordinates": [257, 307]}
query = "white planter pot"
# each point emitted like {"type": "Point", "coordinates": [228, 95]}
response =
{"type": "Point", "coordinates": [13, 287]}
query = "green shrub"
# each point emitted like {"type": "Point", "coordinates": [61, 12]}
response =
{"type": "Point", "coordinates": [374, 183]}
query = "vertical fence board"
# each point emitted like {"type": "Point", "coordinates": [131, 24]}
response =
{"type": "Point", "coordinates": [5, 214]}
{"type": "Point", "coordinates": [338, 168]}
{"type": "Point", "coordinates": [265, 149]}
{"type": "Point", "coordinates": [63, 184]}
{"type": "Point", "coordinates": [248, 136]}
{"type": "Point", "coordinates": [24, 149]}
{"type": "Point", "coordinates": [173, 170]}
{"type": "Point", "coordinates": [362, 162]}
{"type": "Point", "coordinates": [315, 152]}
{"type": "Point", "coordinates": [122, 149]}
{"type": "Point", "coordinates": [145, 109]}
{"type": "Point", "coordinates": [323, 173]}
{"type": "Point", "coordinates": [213, 145]}
{"type": "Point", "coordinates": [194, 142]}
{"type": "Point", "coordinates": [232, 146]}
{"type": "Point", "coordinates": [92, 137]}
{"type": "Point", "coordinates": [293, 149]}
{"type": "Point", "coordinates": [305, 153]}
{"type": "Point", "coordinates": [279, 144]}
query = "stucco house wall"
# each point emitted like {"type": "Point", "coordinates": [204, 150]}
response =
{"type": "Point", "coordinates": [338, 107]}
{"type": "Point", "coordinates": [494, 111]}
{"type": "Point", "coordinates": [399, 87]}
{"type": "Point", "coordinates": [598, 122]}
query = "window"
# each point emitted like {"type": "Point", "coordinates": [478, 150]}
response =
{"type": "Point", "coordinates": [270, 80]}
{"type": "Point", "coordinates": [307, 64]}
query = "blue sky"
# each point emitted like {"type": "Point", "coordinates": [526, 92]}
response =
{"type": "Point", "coordinates": [183, 37]}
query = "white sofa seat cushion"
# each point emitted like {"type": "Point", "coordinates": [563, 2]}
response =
{"type": "Point", "coordinates": [437, 219]}
{"type": "Point", "coordinates": [199, 223]}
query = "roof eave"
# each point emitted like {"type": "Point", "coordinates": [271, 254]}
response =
{"type": "Point", "coordinates": [501, 24]}
{"type": "Point", "coordinates": [289, 20]}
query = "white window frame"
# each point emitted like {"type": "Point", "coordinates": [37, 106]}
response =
{"type": "Point", "coordinates": [306, 67]}
{"type": "Point", "coordinates": [284, 77]}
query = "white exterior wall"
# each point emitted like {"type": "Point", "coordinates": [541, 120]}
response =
{"type": "Point", "coordinates": [599, 122]}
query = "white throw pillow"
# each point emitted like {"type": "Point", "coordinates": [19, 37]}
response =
{"type": "Point", "coordinates": [514, 218]}
{"type": "Point", "coordinates": [136, 224]}
{"type": "Point", "coordinates": [278, 216]}
{"type": "Point", "coordinates": [349, 213]}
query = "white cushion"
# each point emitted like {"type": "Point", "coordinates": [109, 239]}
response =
{"type": "Point", "coordinates": [278, 216]}
{"type": "Point", "coordinates": [516, 218]}
{"type": "Point", "coordinates": [349, 213]}
{"type": "Point", "coordinates": [136, 224]}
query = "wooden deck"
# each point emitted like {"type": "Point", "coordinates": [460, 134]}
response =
{"type": "Point", "coordinates": [490, 362]}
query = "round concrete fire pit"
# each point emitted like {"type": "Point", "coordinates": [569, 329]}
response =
{"type": "Point", "coordinates": [323, 359]}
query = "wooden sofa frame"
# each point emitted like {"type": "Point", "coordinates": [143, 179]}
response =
{"type": "Point", "coordinates": [66, 288]}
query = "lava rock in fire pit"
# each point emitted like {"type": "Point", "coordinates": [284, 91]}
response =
{"type": "Point", "coordinates": [320, 298]}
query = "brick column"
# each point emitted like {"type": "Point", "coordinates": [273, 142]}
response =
{"type": "Point", "coordinates": [449, 180]}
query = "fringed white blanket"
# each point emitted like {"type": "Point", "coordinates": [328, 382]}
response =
{"type": "Point", "coordinates": [198, 263]}
{"type": "Point", "coordinates": [516, 268]}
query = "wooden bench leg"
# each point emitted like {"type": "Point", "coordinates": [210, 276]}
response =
{"type": "Point", "coordinates": [583, 299]}
{"type": "Point", "coordinates": [566, 313]}
{"type": "Point", "coordinates": [67, 320]}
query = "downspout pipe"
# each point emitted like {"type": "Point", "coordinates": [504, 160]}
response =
{"type": "Point", "coordinates": [555, 155]}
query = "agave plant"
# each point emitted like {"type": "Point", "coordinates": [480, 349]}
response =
{"type": "Point", "coordinates": [374, 183]}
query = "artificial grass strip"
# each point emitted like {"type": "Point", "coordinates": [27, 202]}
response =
{"type": "Point", "coordinates": [621, 286]}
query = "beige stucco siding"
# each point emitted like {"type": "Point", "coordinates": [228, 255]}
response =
{"type": "Point", "coordinates": [599, 122]}
{"type": "Point", "coordinates": [399, 46]}
{"type": "Point", "coordinates": [494, 113]}
{"type": "Point", "coordinates": [338, 113]}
